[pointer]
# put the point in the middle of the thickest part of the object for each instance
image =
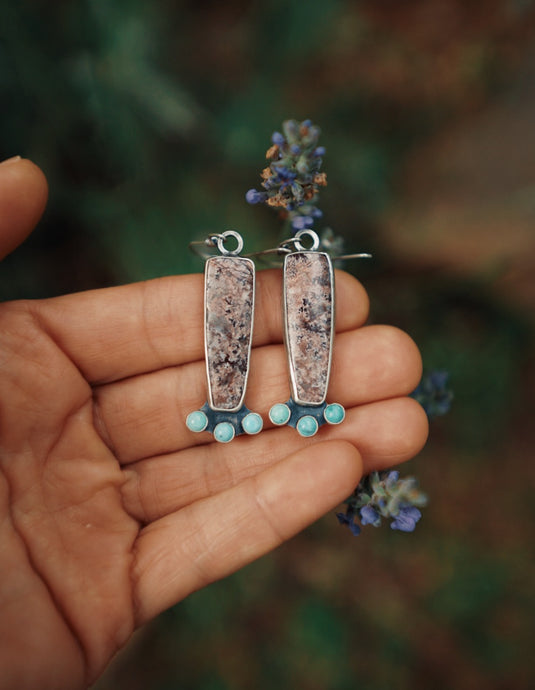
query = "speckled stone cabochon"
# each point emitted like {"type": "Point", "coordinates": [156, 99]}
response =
{"type": "Point", "coordinates": [229, 295]}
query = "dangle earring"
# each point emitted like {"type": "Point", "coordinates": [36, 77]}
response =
{"type": "Point", "coordinates": [308, 312]}
{"type": "Point", "coordinates": [229, 295]}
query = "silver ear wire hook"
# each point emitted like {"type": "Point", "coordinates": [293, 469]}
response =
{"type": "Point", "coordinates": [343, 257]}
{"type": "Point", "coordinates": [316, 243]}
{"type": "Point", "coordinates": [294, 244]}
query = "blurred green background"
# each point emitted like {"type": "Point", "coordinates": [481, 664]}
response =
{"type": "Point", "coordinates": [151, 121]}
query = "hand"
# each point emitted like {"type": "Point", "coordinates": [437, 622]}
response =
{"type": "Point", "coordinates": [111, 509]}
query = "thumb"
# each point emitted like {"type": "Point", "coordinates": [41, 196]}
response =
{"type": "Point", "coordinates": [23, 195]}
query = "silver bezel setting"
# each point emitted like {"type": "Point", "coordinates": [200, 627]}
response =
{"type": "Point", "coordinates": [291, 367]}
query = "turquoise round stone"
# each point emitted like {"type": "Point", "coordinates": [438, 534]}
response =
{"type": "Point", "coordinates": [307, 425]}
{"type": "Point", "coordinates": [252, 423]}
{"type": "Point", "coordinates": [279, 414]}
{"type": "Point", "coordinates": [197, 421]}
{"type": "Point", "coordinates": [334, 413]}
{"type": "Point", "coordinates": [224, 432]}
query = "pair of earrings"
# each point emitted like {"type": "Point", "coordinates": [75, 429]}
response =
{"type": "Point", "coordinates": [308, 308]}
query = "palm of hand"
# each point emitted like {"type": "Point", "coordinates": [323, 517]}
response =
{"type": "Point", "coordinates": [67, 539]}
{"type": "Point", "coordinates": [111, 510]}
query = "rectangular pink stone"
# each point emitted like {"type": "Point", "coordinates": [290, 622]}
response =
{"type": "Point", "coordinates": [229, 307]}
{"type": "Point", "coordinates": [309, 316]}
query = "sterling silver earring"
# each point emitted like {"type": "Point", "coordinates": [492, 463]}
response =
{"type": "Point", "coordinates": [229, 296]}
{"type": "Point", "coordinates": [308, 313]}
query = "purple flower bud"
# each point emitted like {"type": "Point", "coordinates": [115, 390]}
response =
{"type": "Point", "coordinates": [347, 519]}
{"type": "Point", "coordinates": [369, 516]}
{"type": "Point", "coordinates": [281, 170]}
{"type": "Point", "coordinates": [302, 222]}
{"type": "Point", "coordinates": [295, 149]}
{"type": "Point", "coordinates": [278, 139]}
{"type": "Point", "coordinates": [320, 151]}
{"type": "Point", "coordinates": [253, 196]}
{"type": "Point", "coordinates": [306, 123]}
{"type": "Point", "coordinates": [391, 479]}
{"type": "Point", "coordinates": [355, 529]}
{"type": "Point", "coordinates": [406, 519]}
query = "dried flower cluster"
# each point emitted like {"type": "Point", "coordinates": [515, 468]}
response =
{"type": "Point", "coordinates": [384, 495]}
{"type": "Point", "coordinates": [292, 179]}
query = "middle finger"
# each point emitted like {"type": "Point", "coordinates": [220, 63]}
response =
{"type": "Point", "coordinates": [144, 416]}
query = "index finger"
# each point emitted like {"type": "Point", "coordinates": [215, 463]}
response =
{"type": "Point", "coordinates": [114, 333]}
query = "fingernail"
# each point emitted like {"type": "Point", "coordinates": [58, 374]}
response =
{"type": "Point", "coordinates": [14, 159]}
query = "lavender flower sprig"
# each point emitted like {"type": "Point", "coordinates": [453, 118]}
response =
{"type": "Point", "coordinates": [292, 179]}
{"type": "Point", "coordinates": [384, 495]}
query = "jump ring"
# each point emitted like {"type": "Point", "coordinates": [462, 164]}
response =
{"type": "Point", "coordinates": [315, 240]}
{"type": "Point", "coordinates": [222, 238]}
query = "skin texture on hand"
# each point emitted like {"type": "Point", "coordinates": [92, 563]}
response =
{"type": "Point", "coordinates": [111, 510]}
